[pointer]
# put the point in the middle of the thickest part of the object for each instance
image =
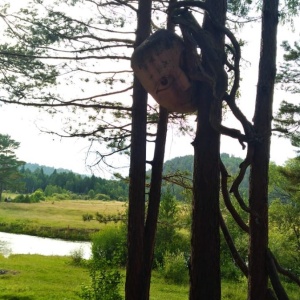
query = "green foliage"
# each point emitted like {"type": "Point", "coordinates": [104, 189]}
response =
{"type": "Point", "coordinates": [285, 233]}
{"type": "Point", "coordinates": [102, 197]}
{"type": "Point", "coordinates": [77, 257]}
{"type": "Point", "coordinates": [87, 217]}
{"type": "Point", "coordinates": [108, 253]}
{"type": "Point", "coordinates": [38, 196]}
{"type": "Point", "coordinates": [168, 238]}
{"type": "Point", "coordinates": [58, 197]}
{"type": "Point", "coordinates": [91, 194]}
{"type": "Point", "coordinates": [54, 189]}
{"type": "Point", "coordinates": [180, 169]}
{"type": "Point", "coordinates": [22, 199]}
{"type": "Point", "coordinates": [9, 164]}
{"type": "Point", "coordinates": [67, 183]}
{"type": "Point", "coordinates": [105, 282]}
{"type": "Point", "coordinates": [35, 197]}
{"type": "Point", "coordinates": [110, 245]}
{"type": "Point", "coordinates": [175, 268]}
{"type": "Point", "coordinates": [287, 120]}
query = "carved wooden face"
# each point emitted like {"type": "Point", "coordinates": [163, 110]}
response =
{"type": "Point", "coordinates": [156, 63]}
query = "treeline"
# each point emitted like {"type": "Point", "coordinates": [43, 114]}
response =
{"type": "Point", "coordinates": [58, 181]}
{"type": "Point", "coordinates": [66, 181]}
{"type": "Point", "coordinates": [52, 180]}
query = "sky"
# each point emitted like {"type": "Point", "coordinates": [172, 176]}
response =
{"type": "Point", "coordinates": [23, 123]}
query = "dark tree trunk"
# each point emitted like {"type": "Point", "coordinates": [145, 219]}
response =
{"type": "Point", "coordinates": [205, 257]}
{"type": "Point", "coordinates": [258, 199]}
{"type": "Point", "coordinates": [154, 199]}
{"type": "Point", "coordinates": [136, 211]}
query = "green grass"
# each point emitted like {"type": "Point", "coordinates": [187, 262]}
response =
{"type": "Point", "coordinates": [40, 278]}
{"type": "Point", "coordinates": [61, 219]}
{"type": "Point", "coordinates": [36, 277]}
{"type": "Point", "coordinates": [58, 213]}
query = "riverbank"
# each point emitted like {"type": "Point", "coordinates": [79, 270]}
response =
{"type": "Point", "coordinates": [56, 219]}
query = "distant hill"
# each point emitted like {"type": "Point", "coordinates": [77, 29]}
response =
{"type": "Point", "coordinates": [116, 188]}
{"type": "Point", "coordinates": [47, 170]}
{"type": "Point", "coordinates": [185, 164]}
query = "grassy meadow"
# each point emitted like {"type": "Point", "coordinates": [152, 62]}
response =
{"type": "Point", "coordinates": [36, 277]}
{"type": "Point", "coordinates": [61, 219]}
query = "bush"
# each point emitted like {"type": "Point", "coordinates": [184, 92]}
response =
{"type": "Point", "coordinates": [37, 196]}
{"type": "Point", "coordinates": [91, 194]}
{"type": "Point", "coordinates": [173, 243]}
{"type": "Point", "coordinates": [77, 257]}
{"type": "Point", "coordinates": [168, 239]}
{"type": "Point", "coordinates": [175, 268]}
{"type": "Point", "coordinates": [87, 217]}
{"type": "Point", "coordinates": [22, 199]}
{"type": "Point", "coordinates": [102, 197]}
{"type": "Point", "coordinates": [56, 196]}
{"type": "Point", "coordinates": [105, 283]}
{"type": "Point", "coordinates": [230, 270]}
{"type": "Point", "coordinates": [110, 244]}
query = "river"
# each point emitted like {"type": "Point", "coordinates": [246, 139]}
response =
{"type": "Point", "coordinates": [25, 244]}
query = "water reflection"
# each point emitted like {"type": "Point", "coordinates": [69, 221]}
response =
{"type": "Point", "coordinates": [25, 244]}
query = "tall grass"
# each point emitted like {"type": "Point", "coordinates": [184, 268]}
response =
{"type": "Point", "coordinates": [60, 219]}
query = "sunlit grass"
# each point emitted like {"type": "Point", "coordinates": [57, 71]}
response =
{"type": "Point", "coordinates": [36, 277]}
{"type": "Point", "coordinates": [40, 278]}
{"type": "Point", "coordinates": [58, 213]}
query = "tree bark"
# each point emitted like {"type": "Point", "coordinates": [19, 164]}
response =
{"type": "Point", "coordinates": [258, 196]}
{"type": "Point", "coordinates": [136, 210]}
{"type": "Point", "coordinates": [154, 198]}
{"type": "Point", "coordinates": [205, 280]}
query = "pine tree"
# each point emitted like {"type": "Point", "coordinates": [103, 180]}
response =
{"type": "Point", "coordinates": [9, 164]}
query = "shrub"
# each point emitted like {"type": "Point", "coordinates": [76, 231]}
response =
{"type": "Point", "coordinates": [174, 243]}
{"type": "Point", "coordinates": [87, 217]}
{"type": "Point", "coordinates": [110, 244]}
{"type": "Point", "coordinates": [22, 199]}
{"type": "Point", "coordinates": [230, 270]}
{"type": "Point", "coordinates": [105, 282]}
{"type": "Point", "coordinates": [175, 268]}
{"type": "Point", "coordinates": [56, 196]}
{"type": "Point", "coordinates": [91, 194]}
{"type": "Point", "coordinates": [37, 196]}
{"type": "Point", "coordinates": [77, 257]}
{"type": "Point", "coordinates": [168, 239]}
{"type": "Point", "coordinates": [102, 197]}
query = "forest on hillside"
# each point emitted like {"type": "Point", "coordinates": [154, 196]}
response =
{"type": "Point", "coordinates": [177, 178]}
{"type": "Point", "coordinates": [35, 177]}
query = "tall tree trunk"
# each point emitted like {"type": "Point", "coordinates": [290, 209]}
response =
{"type": "Point", "coordinates": [258, 199]}
{"type": "Point", "coordinates": [205, 280]}
{"type": "Point", "coordinates": [136, 211]}
{"type": "Point", "coordinates": [154, 198]}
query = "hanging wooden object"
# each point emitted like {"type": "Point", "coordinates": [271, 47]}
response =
{"type": "Point", "coordinates": [157, 65]}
